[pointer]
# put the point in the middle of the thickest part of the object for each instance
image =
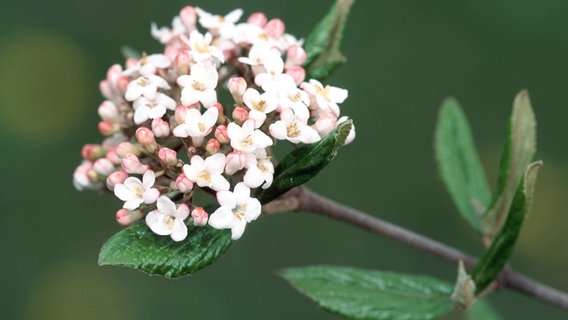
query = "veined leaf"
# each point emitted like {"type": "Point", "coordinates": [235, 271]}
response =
{"type": "Point", "coordinates": [459, 165]}
{"type": "Point", "coordinates": [518, 153]}
{"type": "Point", "coordinates": [496, 256]}
{"type": "Point", "coordinates": [323, 43]}
{"type": "Point", "coordinates": [304, 163]}
{"type": "Point", "coordinates": [366, 294]}
{"type": "Point", "coordinates": [139, 248]}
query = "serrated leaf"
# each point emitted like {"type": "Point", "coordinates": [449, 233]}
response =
{"type": "Point", "coordinates": [323, 43]}
{"type": "Point", "coordinates": [367, 294]}
{"type": "Point", "coordinates": [496, 256]}
{"type": "Point", "coordinates": [139, 248]}
{"type": "Point", "coordinates": [518, 153]}
{"type": "Point", "coordinates": [482, 310]}
{"type": "Point", "coordinates": [304, 163]}
{"type": "Point", "coordinates": [459, 164]}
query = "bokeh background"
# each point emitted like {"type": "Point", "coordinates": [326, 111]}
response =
{"type": "Point", "coordinates": [404, 58]}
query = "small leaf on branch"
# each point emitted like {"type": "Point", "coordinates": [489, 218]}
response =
{"type": "Point", "coordinates": [139, 248]}
{"type": "Point", "coordinates": [518, 153]}
{"type": "Point", "coordinates": [304, 163]}
{"type": "Point", "coordinates": [323, 43]}
{"type": "Point", "coordinates": [459, 164]}
{"type": "Point", "coordinates": [367, 294]}
{"type": "Point", "coordinates": [496, 256]}
{"type": "Point", "coordinates": [129, 52]}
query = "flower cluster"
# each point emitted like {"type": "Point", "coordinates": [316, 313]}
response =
{"type": "Point", "coordinates": [168, 136]}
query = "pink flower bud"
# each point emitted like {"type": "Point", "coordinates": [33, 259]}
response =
{"type": "Point", "coordinates": [145, 136]}
{"type": "Point", "coordinates": [325, 123]}
{"type": "Point", "coordinates": [274, 28]}
{"type": "Point", "coordinates": [179, 115]}
{"type": "Point", "coordinates": [171, 52]}
{"type": "Point", "coordinates": [112, 156]}
{"type": "Point", "coordinates": [221, 134]}
{"type": "Point", "coordinates": [103, 166]}
{"type": "Point", "coordinates": [126, 218]}
{"type": "Point", "coordinates": [257, 18]}
{"type": "Point", "coordinates": [237, 87]}
{"type": "Point", "coordinates": [125, 148]}
{"type": "Point", "coordinates": [240, 115]}
{"type": "Point", "coordinates": [133, 62]}
{"type": "Point", "coordinates": [297, 73]}
{"type": "Point", "coordinates": [183, 183]}
{"type": "Point", "coordinates": [188, 17]}
{"type": "Point", "coordinates": [107, 128]}
{"type": "Point", "coordinates": [115, 178]}
{"type": "Point", "coordinates": [212, 146]}
{"type": "Point", "coordinates": [113, 74]}
{"type": "Point", "coordinates": [92, 151]}
{"type": "Point", "coordinates": [168, 156]}
{"type": "Point", "coordinates": [108, 111]}
{"type": "Point", "coordinates": [131, 164]}
{"type": "Point", "coordinates": [295, 55]}
{"type": "Point", "coordinates": [183, 59]}
{"type": "Point", "coordinates": [160, 128]}
{"type": "Point", "coordinates": [236, 160]}
{"type": "Point", "coordinates": [199, 216]}
{"type": "Point", "coordinates": [122, 83]}
{"type": "Point", "coordinates": [105, 89]}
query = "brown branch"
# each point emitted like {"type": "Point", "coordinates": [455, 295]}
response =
{"type": "Point", "coordinates": [303, 199]}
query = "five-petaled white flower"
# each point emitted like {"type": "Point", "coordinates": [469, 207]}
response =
{"type": "Point", "coordinates": [134, 192]}
{"type": "Point", "coordinates": [259, 169]}
{"type": "Point", "coordinates": [208, 172]}
{"type": "Point", "coordinates": [145, 108]}
{"type": "Point", "coordinates": [247, 138]}
{"type": "Point", "coordinates": [259, 104]}
{"type": "Point", "coordinates": [146, 86]}
{"type": "Point", "coordinates": [237, 208]}
{"type": "Point", "coordinates": [168, 220]}
{"type": "Point", "coordinates": [148, 65]}
{"type": "Point", "coordinates": [293, 128]}
{"type": "Point", "coordinates": [199, 85]}
{"type": "Point", "coordinates": [196, 125]}
{"type": "Point", "coordinates": [326, 98]}
{"type": "Point", "coordinates": [201, 47]}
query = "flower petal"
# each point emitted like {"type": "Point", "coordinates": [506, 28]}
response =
{"type": "Point", "coordinates": [179, 231]}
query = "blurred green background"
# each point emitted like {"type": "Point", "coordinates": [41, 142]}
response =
{"type": "Point", "coordinates": [404, 58]}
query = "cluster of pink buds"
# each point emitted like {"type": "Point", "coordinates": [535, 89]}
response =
{"type": "Point", "coordinates": [171, 131]}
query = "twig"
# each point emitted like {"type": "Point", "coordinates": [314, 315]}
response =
{"type": "Point", "coordinates": [303, 199]}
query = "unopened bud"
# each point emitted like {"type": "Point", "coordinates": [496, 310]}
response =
{"type": "Point", "coordinates": [257, 18]}
{"type": "Point", "coordinates": [145, 137]}
{"type": "Point", "coordinates": [199, 216]}
{"type": "Point", "coordinates": [115, 178]}
{"type": "Point", "coordinates": [171, 53]}
{"type": "Point", "coordinates": [237, 87]}
{"type": "Point", "coordinates": [112, 156]}
{"type": "Point", "coordinates": [183, 184]}
{"type": "Point", "coordinates": [107, 128]}
{"type": "Point", "coordinates": [126, 218]}
{"type": "Point", "coordinates": [295, 55]}
{"type": "Point", "coordinates": [113, 74]}
{"type": "Point", "coordinates": [183, 59]}
{"type": "Point", "coordinates": [221, 134]}
{"type": "Point", "coordinates": [122, 83]}
{"type": "Point", "coordinates": [160, 128]}
{"type": "Point", "coordinates": [297, 73]}
{"type": "Point", "coordinates": [274, 28]}
{"type": "Point", "coordinates": [125, 148]}
{"type": "Point", "coordinates": [103, 166]}
{"type": "Point", "coordinates": [168, 156]}
{"type": "Point", "coordinates": [188, 17]}
{"type": "Point", "coordinates": [240, 115]}
{"type": "Point", "coordinates": [105, 89]}
{"type": "Point", "coordinates": [236, 160]}
{"type": "Point", "coordinates": [180, 113]}
{"type": "Point", "coordinates": [92, 151]}
{"type": "Point", "coordinates": [108, 111]}
{"type": "Point", "coordinates": [131, 164]}
{"type": "Point", "coordinates": [133, 62]}
{"type": "Point", "coordinates": [212, 146]}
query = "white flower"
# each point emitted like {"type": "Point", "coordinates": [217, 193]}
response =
{"type": "Point", "coordinates": [202, 49]}
{"type": "Point", "coordinates": [196, 125]}
{"type": "Point", "coordinates": [259, 104]}
{"type": "Point", "coordinates": [134, 192]}
{"type": "Point", "coordinates": [146, 86]}
{"type": "Point", "coordinates": [326, 98]}
{"type": "Point", "coordinates": [148, 65]}
{"type": "Point", "coordinates": [293, 128]}
{"type": "Point", "coordinates": [259, 169]}
{"type": "Point", "coordinates": [208, 172]}
{"type": "Point", "coordinates": [224, 26]}
{"type": "Point", "coordinates": [246, 138]}
{"type": "Point", "coordinates": [167, 220]}
{"type": "Point", "coordinates": [145, 108]}
{"type": "Point", "coordinates": [274, 66]}
{"type": "Point", "coordinates": [166, 35]}
{"type": "Point", "coordinates": [237, 208]}
{"type": "Point", "coordinates": [199, 85]}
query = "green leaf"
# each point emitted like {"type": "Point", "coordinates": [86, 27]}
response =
{"type": "Point", "coordinates": [139, 248]}
{"type": "Point", "coordinates": [304, 163]}
{"type": "Point", "coordinates": [482, 310]}
{"type": "Point", "coordinates": [366, 294]}
{"type": "Point", "coordinates": [459, 164]}
{"type": "Point", "coordinates": [323, 43]}
{"type": "Point", "coordinates": [519, 151]}
{"type": "Point", "coordinates": [496, 256]}
{"type": "Point", "coordinates": [129, 52]}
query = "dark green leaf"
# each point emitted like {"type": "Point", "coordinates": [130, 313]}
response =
{"type": "Point", "coordinates": [459, 163]}
{"type": "Point", "coordinates": [323, 43]}
{"type": "Point", "coordinates": [496, 256]}
{"type": "Point", "coordinates": [482, 310]}
{"type": "Point", "coordinates": [139, 248]}
{"type": "Point", "coordinates": [304, 163]}
{"type": "Point", "coordinates": [366, 294]}
{"type": "Point", "coordinates": [518, 153]}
